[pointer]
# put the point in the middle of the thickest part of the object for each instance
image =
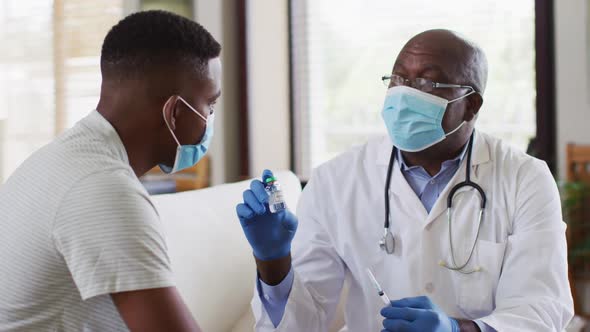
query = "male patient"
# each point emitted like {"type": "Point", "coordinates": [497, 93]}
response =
{"type": "Point", "coordinates": [81, 244]}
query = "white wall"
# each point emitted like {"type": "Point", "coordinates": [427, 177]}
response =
{"type": "Point", "coordinates": [268, 85]}
{"type": "Point", "coordinates": [572, 75]}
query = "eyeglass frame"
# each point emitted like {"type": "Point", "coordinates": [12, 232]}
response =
{"type": "Point", "coordinates": [435, 85]}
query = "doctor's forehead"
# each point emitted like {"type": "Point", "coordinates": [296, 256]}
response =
{"type": "Point", "coordinates": [420, 65]}
{"type": "Point", "coordinates": [440, 52]}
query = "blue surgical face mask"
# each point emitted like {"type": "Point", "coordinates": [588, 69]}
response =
{"type": "Point", "coordinates": [414, 118]}
{"type": "Point", "coordinates": [189, 155]}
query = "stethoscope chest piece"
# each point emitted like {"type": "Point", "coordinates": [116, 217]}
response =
{"type": "Point", "coordinates": [387, 242]}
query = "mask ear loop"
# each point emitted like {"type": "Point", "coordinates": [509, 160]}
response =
{"type": "Point", "coordinates": [454, 130]}
{"type": "Point", "coordinates": [187, 105]}
{"type": "Point", "coordinates": [466, 95]}
{"type": "Point", "coordinates": [167, 124]}
{"type": "Point", "coordinates": [462, 123]}
{"type": "Point", "coordinates": [192, 109]}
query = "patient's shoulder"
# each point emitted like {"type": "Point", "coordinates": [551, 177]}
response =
{"type": "Point", "coordinates": [113, 194]}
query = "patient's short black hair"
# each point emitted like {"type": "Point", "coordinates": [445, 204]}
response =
{"type": "Point", "coordinates": [145, 40]}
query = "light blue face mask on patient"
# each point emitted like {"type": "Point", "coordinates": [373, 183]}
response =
{"type": "Point", "coordinates": [189, 155]}
{"type": "Point", "coordinates": [414, 118]}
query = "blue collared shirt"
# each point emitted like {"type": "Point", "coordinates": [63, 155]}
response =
{"type": "Point", "coordinates": [426, 187]}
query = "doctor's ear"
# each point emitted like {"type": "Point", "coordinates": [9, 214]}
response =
{"type": "Point", "coordinates": [474, 103]}
{"type": "Point", "coordinates": [170, 112]}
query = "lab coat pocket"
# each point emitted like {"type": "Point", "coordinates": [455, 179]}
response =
{"type": "Point", "coordinates": [477, 290]}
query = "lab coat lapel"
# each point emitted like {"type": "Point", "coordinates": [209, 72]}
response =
{"type": "Point", "coordinates": [481, 155]}
{"type": "Point", "coordinates": [404, 196]}
{"type": "Point", "coordinates": [401, 195]}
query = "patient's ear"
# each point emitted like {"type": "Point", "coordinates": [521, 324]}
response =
{"type": "Point", "coordinates": [170, 112]}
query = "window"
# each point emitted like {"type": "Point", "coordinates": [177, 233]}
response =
{"type": "Point", "coordinates": [340, 50]}
{"type": "Point", "coordinates": [49, 65]}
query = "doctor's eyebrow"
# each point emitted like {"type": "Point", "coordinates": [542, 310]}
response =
{"type": "Point", "coordinates": [435, 69]}
{"type": "Point", "coordinates": [432, 69]}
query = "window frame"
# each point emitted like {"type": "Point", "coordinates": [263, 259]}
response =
{"type": "Point", "coordinates": [545, 145]}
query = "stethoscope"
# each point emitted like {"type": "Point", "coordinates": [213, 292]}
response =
{"type": "Point", "coordinates": [387, 242]}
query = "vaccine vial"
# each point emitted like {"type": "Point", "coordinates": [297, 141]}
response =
{"type": "Point", "coordinates": [276, 200]}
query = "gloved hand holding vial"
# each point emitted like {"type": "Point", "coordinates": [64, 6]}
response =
{"type": "Point", "coordinates": [267, 223]}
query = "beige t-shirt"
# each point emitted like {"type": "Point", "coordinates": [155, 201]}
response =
{"type": "Point", "coordinates": [76, 225]}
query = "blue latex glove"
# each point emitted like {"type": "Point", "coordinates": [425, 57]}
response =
{"type": "Point", "coordinates": [417, 314]}
{"type": "Point", "coordinates": [269, 234]}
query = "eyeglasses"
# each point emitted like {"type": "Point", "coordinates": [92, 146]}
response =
{"type": "Point", "coordinates": [421, 84]}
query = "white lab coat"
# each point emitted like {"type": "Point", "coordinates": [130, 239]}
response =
{"type": "Point", "coordinates": [523, 285]}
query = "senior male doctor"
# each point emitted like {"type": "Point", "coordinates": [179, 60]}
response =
{"type": "Point", "coordinates": [494, 261]}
